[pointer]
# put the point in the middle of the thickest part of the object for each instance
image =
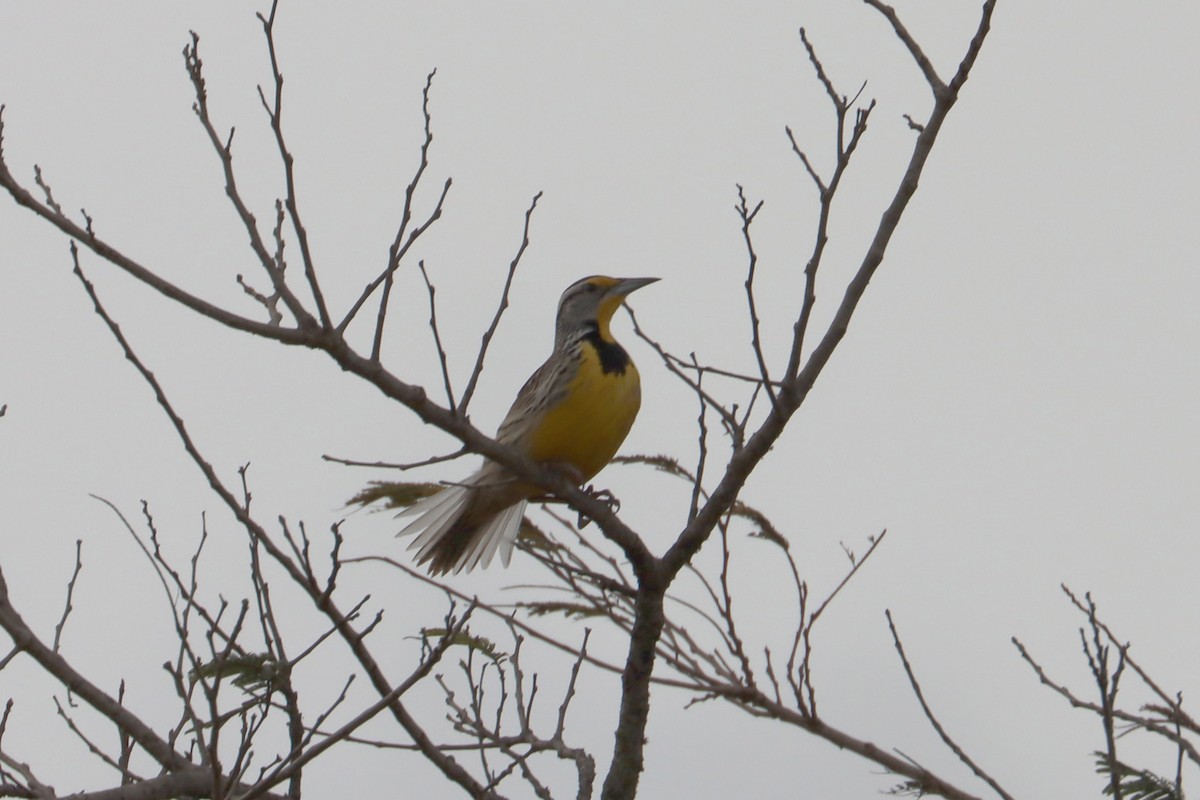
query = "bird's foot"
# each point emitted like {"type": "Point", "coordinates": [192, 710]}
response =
{"type": "Point", "coordinates": [604, 496]}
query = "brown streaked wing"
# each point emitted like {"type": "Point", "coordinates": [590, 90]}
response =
{"type": "Point", "coordinates": [544, 388]}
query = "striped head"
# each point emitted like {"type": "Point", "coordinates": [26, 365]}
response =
{"type": "Point", "coordinates": [589, 304]}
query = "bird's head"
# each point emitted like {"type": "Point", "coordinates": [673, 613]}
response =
{"type": "Point", "coordinates": [592, 301]}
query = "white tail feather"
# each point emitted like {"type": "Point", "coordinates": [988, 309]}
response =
{"type": "Point", "coordinates": [499, 533]}
{"type": "Point", "coordinates": [505, 530]}
{"type": "Point", "coordinates": [436, 516]}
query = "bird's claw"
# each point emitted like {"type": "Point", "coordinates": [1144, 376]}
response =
{"type": "Point", "coordinates": [604, 496]}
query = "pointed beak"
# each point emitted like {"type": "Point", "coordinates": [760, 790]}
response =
{"type": "Point", "coordinates": [627, 285]}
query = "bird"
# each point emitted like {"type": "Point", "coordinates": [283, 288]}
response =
{"type": "Point", "coordinates": [571, 416]}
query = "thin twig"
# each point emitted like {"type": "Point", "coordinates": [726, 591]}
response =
{"type": "Point", "coordinates": [224, 151]}
{"type": "Point", "coordinates": [747, 215]}
{"type": "Point", "coordinates": [933, 720]}
{"type": "Point", "coordinates": [672, 363]}
{"type": "Point", "coordinates": [274, 111]}
{"type": "Point", "coordinates": [812, 172]}
{"type": "Point", "coordinates": [425, 462]}
{"type": "Point", "coordinates": [68, 605]}
{"type": "Point", "coordinates": [914, 49]}
{"type": "Point", "coordinates": [837, 99]}
{"type": "Point", "coordinates": [1193, 753]}
{"type": "Point", "coordinates": [701, 452]}
{"type": "Point", "coordinates": [486, 340]}
{"type": "Point", "coordinates": [403, 239]}
{"type": "Point", "coordinates": [294, 761]}
{"type": "Point", "coordinates": [437, 337]}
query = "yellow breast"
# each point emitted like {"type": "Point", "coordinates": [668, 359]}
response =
{"type": "Point", "coordinates": [589, 425]}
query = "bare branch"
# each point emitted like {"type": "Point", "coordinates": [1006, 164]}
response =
{"type": "Point", "coordinates": [675, 366]}
{"type": "Point", "coordinates": [271, 304]}
{"type": "Point", "coordinates": [522, 626]}
{"type": "Point", "coordinates": [68, 605]}
{"type": "Point", "coordinates": [32, 787]}
{"type": "Point", "coordinates": [976, 46]}
{"type": "Point", "coordinates": [794, 393]}
{"type": "Point", "coordinates": [107, 252]}
{"type": "Point", "coordinates": [404, 239]}
{"type": "Point", "coordinates": [1166, 732]}
{"type": "Point", "coordinates": [224, 151]}
{"type": "Point", "coordinates": [469, 392]}
{"type": "Point", "coordinates": [57, 666]}
{"type": "Point", "coordinates": [425, 462]}
{"type": "Point", "coordinates": [838, 100]}
{"type": "Point", "coordinates": [914, 49]}
{"type": "Point", "coordinates": [126, 774]}
{"type": "Point", "coordinates": [701, 451]}
{"type": "Point", "coordinates": [937, 726]}
{"type": "Point", "coordinates": [1166, 697]}
{"type": "Point", "coordinates": [812, 172]}
{"type": "Point", "coordinates": [406, 214]}
{"type": "Point", "coordinates": [437, 338]}
{"type": "Point", "coordinates": [274, 111]}
{"type": "Point", "coordinates": [45, 187]}
{"type": "Point", "coordinates": [295, 761]}
{"type": "Point", "coordinates": [747, 216]}
{"type": "Point", "coordinates": [725, 606]}
{"type": "Point", "coordinates": [844, 151]}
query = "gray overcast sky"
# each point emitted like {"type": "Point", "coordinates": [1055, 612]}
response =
{"type": "Point", "coordinates": [1016, 400]}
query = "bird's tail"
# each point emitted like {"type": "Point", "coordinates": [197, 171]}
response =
{"type": "Point", "coordinates": [455, 530]}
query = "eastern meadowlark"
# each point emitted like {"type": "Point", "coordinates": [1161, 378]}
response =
{"type": "Point", "coordinates": [571, 415]}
